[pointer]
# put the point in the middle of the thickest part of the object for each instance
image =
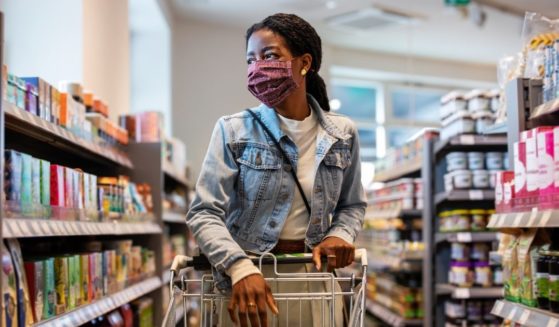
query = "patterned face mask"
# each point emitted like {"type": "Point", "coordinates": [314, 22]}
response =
{"type": "Point", "coordinates": [271, 81]}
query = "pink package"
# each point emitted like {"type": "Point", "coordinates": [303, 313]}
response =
{"type": "Point", "coordinates": [520, 169]}
{"type": "Point", "coordinates": [556, 158]}
{"type": "Point", "coordinates": [508, 180]}
{"type": "Point", "coordinates": [546, 164]}
{"type": "Point", "coordinates": [532, 166]}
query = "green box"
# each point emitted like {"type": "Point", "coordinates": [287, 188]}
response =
{"type": "Point", "coordinates": [49, 307]}
{"type": "Point", "coordinates": [26, 184]}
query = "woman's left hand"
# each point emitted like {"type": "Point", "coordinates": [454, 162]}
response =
{"type": "Point", "coordinates": [339, 253]}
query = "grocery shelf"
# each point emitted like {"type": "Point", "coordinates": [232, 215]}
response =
{"type": "Point", "coordinates": [26, 123]}
{"type": "Point", "coordinates": [546, 113]}
{"type": "Point", "coordinates": [390, 317]}
{"type": "Point", "coordinates": [174, 174]}
{"type": "Point", "coordinates": [402, 170]}
{"type": "Point", "coordinates": [469, 292]}
{"type": "Point", "coordinates": [471, 142]}
{"type": "Point", "coordinates": [465, 195]}
{"type": "Point", "coordinates": [466, 237]}
{"type": "Point", "coordinates": [498, 128]}
{"type": "Point", "coordinates": [174, 217]}
{"type": "Point", "coordinates": [524, 315]}
{"type": "Point", "coordinates": [23, 227]}
{"type": "Point", "coordinates": [87, 312]}
{"type": "Point", "coordinates": [411, 263]}
{"type": "Point", "coordinates": [393, 213]}
{"type": "Point", "coordinates": [527, 219]}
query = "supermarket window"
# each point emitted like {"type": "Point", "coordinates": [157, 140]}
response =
{"type": "Point", "coordinates": [398, 136]}
{"type": "Point", "coordinates": [415, 104]}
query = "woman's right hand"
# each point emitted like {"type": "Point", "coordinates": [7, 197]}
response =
{"type": "Point", "coordinates": [250, 296]}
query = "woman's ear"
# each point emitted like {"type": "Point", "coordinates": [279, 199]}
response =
{"type": "Point", "coordinates": [306, 61]}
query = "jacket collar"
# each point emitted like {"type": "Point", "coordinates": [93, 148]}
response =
{"type": "Point", "coordinates": [270, 119]}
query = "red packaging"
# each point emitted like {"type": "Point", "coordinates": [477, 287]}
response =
{"type": "Point", "coordinates": [508, 182]}
{"type": "Point", "coordinates": [57, 186]}
{"type": "Point", "coordinates": [520, 169]}
{"type": "Point", "coordinates": [546, 164]}
{"type": "Point", "coordinates": [532, 162]}
{"type": "Point", "coordinates": [127, 315]}
{"type": "Point", "coordinates": [35, 283]}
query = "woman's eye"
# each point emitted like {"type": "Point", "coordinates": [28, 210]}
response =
{"type": "Point", "coordinates": [270, 56]}
{"type": "Point", "coordinates": [250, 60]}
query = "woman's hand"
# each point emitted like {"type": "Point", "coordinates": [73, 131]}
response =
{"type": "Point", "coordinates": [251, 295]}
{"type": "Point", "coordinates": [339, 253]}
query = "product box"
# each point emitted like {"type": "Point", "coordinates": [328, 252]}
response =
{"type": "Point", "coordinates": [530, 137]}
{"type": "Point", "coordinates": [41, 86]}
{"type": "Point", "coordinates": [36, 282]}
{"type": "Point", "coordinates": [143, 312]}
{"type": "Point", "coordinates": [508, 180]}
{"type": "Point", "coordinates": [32, 99]}
{"type": "Point", "coordinates": [49, 307]}
{"type": "Point", "coordinates": [98, 274]}
{"type": "Point", "coordinates": [45, 183]}
{"type": "Point", "coordinates": [73, 281]}
{"type": "Point", "coordinates": [27, 184]}
{"type": "Point", "coordinates": [546, 164]}
{"type": "Point", "coordinates": [24, 307]}
{"type": "Point", "coordinates": [57, 186]}
{"type": "Point", "coordinates": [9, 290]}
{"type": "Point", "coordinates": [54, 105]}
{"type": "Point", "coordinates": [13, 164]}
{"type": "Point", "coordinates": [520, 169]}
{"type": "Point", "coordinates": [86, 285]}
{"type": "Point", "coordinates": [64, 113]}
{"type": "Point", "coordinates": [78, 188]}
{"type": "Point", "coordinates": [36, 186]}
{"type": "Point", "coordinates": [62, 284]}
{"type": "Point", "coordinates": [21, 92]}
{"type": "Point", "coordinates": [92, 275]}
{"type": "Point", "coordinates": [69, 187]}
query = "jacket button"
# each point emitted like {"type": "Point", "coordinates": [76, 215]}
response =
{"type": "Point", "coordinates": [315, 221]}
{"type": "Point", "coordinates": [272, 224]}
{"type": "Point", "coordinates": [287, 168]}
{"type": "Point", "coordinates": [284, 197]}
{"type": "Point", "coordinates": [318, 189]}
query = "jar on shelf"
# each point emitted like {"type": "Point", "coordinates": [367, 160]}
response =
{"type": "Point", "coordinates": [494, 161]}
{"type": "Point", "coordinates": [456, 161]}
{"type": "Point", "coordinates": [553, 264]}
{"type": "Point", "coordinates": [459, 251]}
{"type": "Point", "coordinates": [460, 220]}
{"type": "Point", "coordinates": [461, 274]}
{"type": "Point", "coordinates": [483, 275]}
{"type": "Point", "coordinates": [445, 224]}
{"type": "Point", "coordinates": [480, 251]}
{"type": "Point", "coordinates": [476, 160]}
{"type": "Point", "coordinates": [480, 179]}
{"type": "Point", "coordinates": [454, 309]}
{"type": "Point", "coordinates": [479, 219]}
{"type": "Point", "coordinates": [497, 275]}
{"type": "Point", "coordinates": [542, 280]}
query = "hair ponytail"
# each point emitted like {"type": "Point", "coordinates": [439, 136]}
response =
{"type": "Point", "coordinates": [300, 38]}
{"type": "Point", "coordinates": [317, 88]}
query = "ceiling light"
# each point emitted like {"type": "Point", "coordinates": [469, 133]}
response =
{"type": "Point", "coordinates": [335, 104]}
{"type": "Point", "coordinates": [331, 4]}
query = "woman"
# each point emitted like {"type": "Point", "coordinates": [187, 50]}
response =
{"type": "Point", "coordinates": [249, 198]}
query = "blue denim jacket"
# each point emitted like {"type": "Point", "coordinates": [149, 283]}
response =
{"type": "Point", "coordinates": [245, 190]}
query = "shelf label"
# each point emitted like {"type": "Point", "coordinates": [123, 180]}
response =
{"type": "Point", "coordinates": [552, 322]}
{"type": "Point", "coordinates": [501, 221]}
{"type": "Point", "coordinates": [476, 194]}
{"type": "Point", "coordinates": [517, 220]}
{"type": "Point", "coordinates": [512, 314]}
{"type": "Point", "coordinates": [464, 237]}
{"type": "Point", "coordinates": [524, 318]}
{"type": "Point", "coordinates": [498, 307]}
{"type": "Point", "coordinates": [22, 229]}
{"type": "Point", "coordinates": [467, 139]}
{"type": "Point", "coordinates": [545, 218]}
{"type": "Point", "coordinates": [462, 293]}
{"type": "Point", "coordinates": [533, 216]}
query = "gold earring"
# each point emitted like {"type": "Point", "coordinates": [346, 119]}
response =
{"type": "Point", "coordinates": [303, 72]}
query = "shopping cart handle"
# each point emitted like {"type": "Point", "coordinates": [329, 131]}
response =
{"type": "Point", "coordinates": [201, 262]}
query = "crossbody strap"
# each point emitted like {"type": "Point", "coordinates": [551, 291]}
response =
{"type": "Point", "coordinates": [285, 158]}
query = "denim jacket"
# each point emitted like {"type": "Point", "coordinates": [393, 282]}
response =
{"type": "Point", "coordinates": [245, 190]}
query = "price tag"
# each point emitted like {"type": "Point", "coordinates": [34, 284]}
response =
{"type": "Point", "coordinates": [476, 194]}
{"type": "Point", "coordinates": [501, 220]}
{"type": "Point", "coordinates": [553, 322]}
{"type": "Point", "coordinates": [498, 307]}
{"type": "Point", "coordinates": [545, 218]}
{"type": "Point", "coordinates": [467, 139]}
{"type": "Point", "coordinates": [462, 293]}
{"type": "Point", "coordinates": [524, 318]}
{"type": "Point", "coordinates": [517, 220]}
{"type": "Point", "coordinates": [511, 314]}
{"type": "Point", "coordinates": [23, 229]}
{"type": "Point", "coordinates": [533, 216]}
{"type": "Point", "coordinates": [464, 237]}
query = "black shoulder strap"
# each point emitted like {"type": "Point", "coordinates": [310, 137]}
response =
{"type": "Point", "coordinates": [285, 158]}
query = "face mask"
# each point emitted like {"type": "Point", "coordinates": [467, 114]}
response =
{"type": "Point", "coordinates": [271, 82]}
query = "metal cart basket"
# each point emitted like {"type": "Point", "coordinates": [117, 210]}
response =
{"type": "Point", "coordinates": [199, 291]}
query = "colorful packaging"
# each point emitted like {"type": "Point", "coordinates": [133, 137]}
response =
{"type": "Point", "coordinates": [92, 275]}
{"type": "Point", "coordinates": [57, 186]}
{"type": "Point", "coordinates": [109, 260]}
{"type": "Point", "coordinates": [45, 183]}
{"type": "Point", "coordinates": [9, 290]}
{"type": "Point", "coordinates": [532, 166]}
{"type": "Point", "coordinates": [546, 164]}
{"type": "Point", "coordinates": [41, 86]}
{"type": "Point", "coordinates": [49, 307]}
{"type": "Point", "coordinates": [510, 269]}
{"type": "Point", "coordinates": [73, 281]}
{"type": "Point", "coordinates": [520, 189]}
{"type": "Point", "coordinates": [36, 186]}
{"type": "Point", "coordinates": [24, 307]}
{"type": "Point", "coordinates": [62, 284]}
{"type": "Point", "coordinates": [86, 285]}
{"type": "Point", "coordinates": [143, 312]}
{"type": "Point", "coordinates": [26, 184]}
{"type": "Point", "coordinates": [12, 178]}
{"type": "Point", "coordinates": [525, 271]}
{"type": "Point", "coordinates": [54, 105]}
{"type": "Point", "coordinates": [69, 187]}
{"type": "Point", "coordinates": [32, 99]}
{"type": "Point", "coordinates": [21, 90]}
{"type": "Point", "coordinates": [36, 280]}
{"type": "Point", "coordinates": [556, 153]}
{"type": "Point", "coordinates": [99, 274]}
{"type": "Point", "coordinates": [78, 187]}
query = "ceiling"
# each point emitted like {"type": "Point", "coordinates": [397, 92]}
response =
{"type": "Point", "coordinates": [440, 32]}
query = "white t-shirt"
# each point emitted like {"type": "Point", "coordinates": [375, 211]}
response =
{"type": "Point", "coordinates": [304, 134]}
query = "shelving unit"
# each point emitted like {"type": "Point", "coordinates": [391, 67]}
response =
{"type": "Point", "coordinates": [466, 142]}
{"type": "Point", "coordinates": [109, 303]}
{"type": "Point", "coordinates": [394, 213]}
{"type": "Point", "coordinates": [525, 316]}
{"type": "Point", "coordinates": [465, 195]}
{"type": "Point", "coordinates": [466, 237]}
{"type": "Point", "coordinates": [406, 169]}
{"type": "Point", "coordinates": [528, 219]}
{"type": "Point", "coordinates": [469, 292]}
{"type": "Point", "coordinates": [174, 217]}
{"type": "Point", "coordinates": [390, 317]}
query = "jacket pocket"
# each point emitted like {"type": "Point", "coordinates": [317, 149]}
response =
{"type": "Point", "coordinates": [259, 172]}
{"type": "Point", "coordinates": [335, 163]}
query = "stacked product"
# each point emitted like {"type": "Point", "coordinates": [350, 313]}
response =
{"type": "Point", "coordinates": [51, 285]}
{"type": "Point", "coordinates": [470, 313]}
{"type": "Point", "coordinates": [535, 179]}
{"type": "Point", "coordinates": [470, 266]}
{"type": "Point", "coordinates": [144, 127]}
{"type": "Point", "coordinates": [551, 71]}
{"type": "Point", "coordinates": [403, 296]}
{"type": "Point", "coordinates": [464, 220]}
{"type": "Point", "coordinates": [69, 106]}
{"type": "Point", "coordinates": [175, 153]}
{"type": "Point", "coordinates": [173, 245]}
{"type": "Point", "coordinates": [138, 314]}
{"type": "Point", "coordinates": [473, 170]}
{"type": "Point", "coordinates": [403, 194]}
{"type": "Point", "coordinates": [35, 188]}
{"type": "Point", "coordinates": [468, 113]}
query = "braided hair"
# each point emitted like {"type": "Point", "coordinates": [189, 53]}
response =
{"type": "Point", "coordinates": [301, 38]}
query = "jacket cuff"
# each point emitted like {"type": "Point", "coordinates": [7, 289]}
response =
{"type": "Point", "coordinates": [340, 233]}
{"type": "Point", "coordinates": [241, 269]}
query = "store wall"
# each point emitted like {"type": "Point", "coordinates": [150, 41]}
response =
{"type": "Point", "coordinates": [209, 77]}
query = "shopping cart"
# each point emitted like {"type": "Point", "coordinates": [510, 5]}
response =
{"type": "Point", "coordinates": [199, 292]}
